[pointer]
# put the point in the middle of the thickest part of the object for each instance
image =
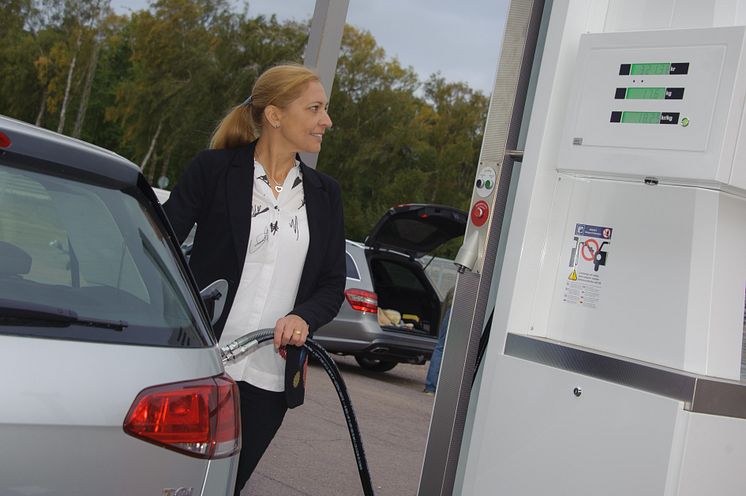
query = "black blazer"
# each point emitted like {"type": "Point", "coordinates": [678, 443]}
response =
{"type": "Point", "coordinates": [215, 191]}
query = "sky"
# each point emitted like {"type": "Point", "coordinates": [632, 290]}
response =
{"type": "Point", "coordinates": [458, 38]}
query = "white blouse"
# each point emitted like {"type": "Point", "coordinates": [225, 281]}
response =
{"type": "Point", "coordinates": [271, 274]}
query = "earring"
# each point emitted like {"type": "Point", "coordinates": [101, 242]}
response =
{"type": "Point", "coordinates": [276, 125]}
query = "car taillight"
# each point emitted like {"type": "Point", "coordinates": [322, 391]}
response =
{"type": "Point", "coordinates": [363, 301]}
{"type": "Point", "coordinates": [199, 418]}
{"type": "Point", "coordinates": [4, 140]}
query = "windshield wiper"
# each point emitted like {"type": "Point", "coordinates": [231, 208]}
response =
{"type": "Point", "coordinates": [24, 312]}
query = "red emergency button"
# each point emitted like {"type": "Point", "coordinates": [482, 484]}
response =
{"type": "Point", "coordinates": [480, 212]}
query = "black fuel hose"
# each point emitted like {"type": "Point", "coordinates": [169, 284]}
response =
{"type": "Point", "coordinates": [239, 347]}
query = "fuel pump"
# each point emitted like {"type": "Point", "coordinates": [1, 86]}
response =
{"type": "Point", "coordinates": [477, 258]}
{"type": "Point", "coordinates": [616, 359]}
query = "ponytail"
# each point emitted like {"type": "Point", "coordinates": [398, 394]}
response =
{"type": "Point", "coordinates": [234, 130]}
{"type": "Point", "coordinates": [277, 86]}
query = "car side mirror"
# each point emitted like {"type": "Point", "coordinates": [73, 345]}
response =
{"type": "Point", "coordinates": [214, 297]}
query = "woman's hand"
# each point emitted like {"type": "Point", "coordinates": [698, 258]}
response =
{"type": "Point", "coordinates": [292, 330]}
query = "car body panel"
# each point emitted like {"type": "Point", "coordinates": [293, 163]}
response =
{"type": "Point", "coordinates": [218, 471]}
{"type": "Point", "coordinates": [66, 409]}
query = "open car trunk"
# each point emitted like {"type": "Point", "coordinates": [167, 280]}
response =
{"type": "Point", "coordinates": [401, 285]}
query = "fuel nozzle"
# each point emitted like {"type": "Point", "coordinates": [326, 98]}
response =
{"type": "Point", "coordinates": [241, 346]}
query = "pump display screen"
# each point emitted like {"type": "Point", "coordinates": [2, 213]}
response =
{"type": "Point", "coordinates": [649, 69]}
{"type": "Point", "coordinates": [646, 93]}
{"type": "Point", "coordinates": [636, 89]}
{"type": "Point", "coordinates": [635, 92]}
{"type": "Point", "coordinates": [649, 93]}
{"type": "Point", "coordinates": [632, 117]}
{"type": "Point", "coordinates": [641, 117]}
{"type": "Point", "coordinates": [654, 69]}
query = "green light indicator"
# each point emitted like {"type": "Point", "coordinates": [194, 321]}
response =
{"type": "Point", "coordinates": [488, 184]}
{"type": "Point", "coordinates": [650, 69]}
{"type": "Point", "coordinates": [685, 122]}
{"type": "Point", "coordinates": [645, 93]}
{"type": "Point", "coordinates": [641, 117]}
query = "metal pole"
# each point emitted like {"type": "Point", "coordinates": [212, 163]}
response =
{"type": "Point", "coordinates": [322, 51]}
{"type": "Point", "coordinates": [473, 288]}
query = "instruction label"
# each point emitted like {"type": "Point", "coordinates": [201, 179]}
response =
{"type": "Point", "coordinates": [588, 253]}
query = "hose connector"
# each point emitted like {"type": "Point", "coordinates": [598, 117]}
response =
{"type": "Point", "coordinates": [241, 346]}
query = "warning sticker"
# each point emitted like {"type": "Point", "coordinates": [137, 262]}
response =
{"type": "Point", "coordinates": [589, 252]}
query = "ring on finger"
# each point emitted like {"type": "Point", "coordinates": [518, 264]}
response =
{"type": "Point", "coordinates": [297, 332]}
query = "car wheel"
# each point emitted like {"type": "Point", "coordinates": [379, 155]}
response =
{"type": "Point", "coordinates": [375, 365]}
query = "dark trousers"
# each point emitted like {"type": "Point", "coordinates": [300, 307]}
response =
{"type": "Point", "coordinates": [261, 416]}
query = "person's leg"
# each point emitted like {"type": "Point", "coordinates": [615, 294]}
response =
{"type": "Point", "coordinates": [261, 416]}
{"type": "Point", "coordinates": [431, 381]}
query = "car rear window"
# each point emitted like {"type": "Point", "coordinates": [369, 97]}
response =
{"type": "Point", "coordinates": [93, 252]}
{"type": "Point", "coordinates": [394, 274]}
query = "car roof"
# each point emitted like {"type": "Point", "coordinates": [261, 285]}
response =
{"type": "Point", "coordinates": [38, 143]}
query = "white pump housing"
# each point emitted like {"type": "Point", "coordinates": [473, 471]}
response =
{"type": "Point", "coordinates": [616, 357]}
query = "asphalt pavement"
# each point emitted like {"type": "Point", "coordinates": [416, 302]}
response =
{"type": "Point", "coordinates": [312, 454]}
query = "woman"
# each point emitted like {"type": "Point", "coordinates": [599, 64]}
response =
{"type": "Point", "coordinates": [273, 228]}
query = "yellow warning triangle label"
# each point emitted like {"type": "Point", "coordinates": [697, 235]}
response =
{"type": "Point", "coordinates": [573, 276]}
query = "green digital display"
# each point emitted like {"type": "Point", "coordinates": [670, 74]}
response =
{"type": "Point", "coordinates": [646, 93]}
{"type": "Point", "coordinates": [650, 69]}
{"type": "Point", "coordinates": [641, 117]}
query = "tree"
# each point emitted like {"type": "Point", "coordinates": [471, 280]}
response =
{"type": "Point", "coordinates": [154, 84]}
{"type": "Point", "coordinates": [112, 67]}
{"type": "Point", "coordinates": [173, 65]}
{"type": "Point", "coordinates": [98, 25]}
{"type": "Point", "coordinates": [18, 49]}
{"type": "Point", "coordinates": [389, 145]}
{"type": "Point", "coordinates": [372, 107]}
{"type": "Point", "coordinates": [456, 129]}
{"type": "Point", "coordinates": [43, 41]}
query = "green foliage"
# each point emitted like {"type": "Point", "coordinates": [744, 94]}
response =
{"type": "Point", "coordinates": [390, 145]}
{"type": "Point", "coordinates": [164, 76]}
{"type": "Point", "coordinates": [17, 56]}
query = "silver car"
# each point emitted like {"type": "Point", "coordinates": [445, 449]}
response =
{"type": "Point", "coordinates": [112, 383]}
{"type": "Point", "coordinates": [392, 311]}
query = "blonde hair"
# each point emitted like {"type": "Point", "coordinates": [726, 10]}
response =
{"type": "Point", "coordinates": [277, 86]}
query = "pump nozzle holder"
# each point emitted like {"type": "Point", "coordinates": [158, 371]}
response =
{"type": "Point", "coordinates": [467, 255]}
